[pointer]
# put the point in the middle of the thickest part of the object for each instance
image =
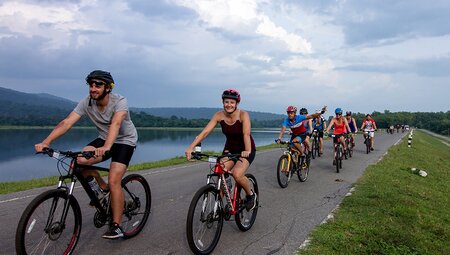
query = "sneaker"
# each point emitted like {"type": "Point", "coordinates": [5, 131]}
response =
{"type": "Point", "coordinates": [114, 232]}
{"type": "Point", "coordinates": [250, 204]}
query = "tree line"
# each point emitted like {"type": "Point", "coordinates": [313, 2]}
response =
{"type": "Point", "coordinates": [438, 122]}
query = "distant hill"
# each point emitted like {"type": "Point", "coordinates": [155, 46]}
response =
{"type": "Point", "coordinates": [9, 96]}
{"type": "Point", "coordinates": [20, 108]}
{"type": "Point", "coordinates": [200, 113]}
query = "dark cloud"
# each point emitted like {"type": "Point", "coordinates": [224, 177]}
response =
{"type": "Point", "coordinates": [379, 22]}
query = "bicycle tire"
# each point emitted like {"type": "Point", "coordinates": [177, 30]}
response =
{"type": "Point", "coordinates": [284, 174]}
{"type": "Point", "coordinates": [368, 143]}
{"type": "Point", "coordinates": [302, 173]}
{"type": "Point", "coordinates": [245, 219]}
{"type": "Point", "coordinates": [350, 150]}
{"type": "Point", "coordinates": [31, 236]}
{"type": "Point", "coordinates": [318, 147]}
{"type": "Point", "coordinates": [207, 196]}
{"type": "Point", "coordinates": [337, 158]}
{"type": "Point", "coordinates": [138, 200]}
{"type": "Point", "coordinates": [313, 148]}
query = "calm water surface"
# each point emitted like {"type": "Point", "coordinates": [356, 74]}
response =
{"type": "Point", "coordinates": [19, 162]}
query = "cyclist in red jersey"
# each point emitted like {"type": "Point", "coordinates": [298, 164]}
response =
{"type": "Point", "coordinates": [236, 127]}
{"type": "Point", "coordinates": [369, 126]}
{"type": "Point", "coordinates": [340, 128]}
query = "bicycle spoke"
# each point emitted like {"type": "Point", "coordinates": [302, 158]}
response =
{"type": "Point", "coordinates": [204, 224]}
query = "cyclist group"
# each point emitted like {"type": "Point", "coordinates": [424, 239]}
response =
{"type": "Point", "coordinates": [118, 137]}
{"type": "Point", "coordinates": [303, 126]}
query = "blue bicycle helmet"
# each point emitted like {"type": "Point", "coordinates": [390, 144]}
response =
{"type": "Point", "coordinates": [338, 111]}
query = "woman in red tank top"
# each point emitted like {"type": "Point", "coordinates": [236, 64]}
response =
{"type": "Point", "coordinates": [340, 127]}
{"type": "Point", "coordinates": [236, 126]}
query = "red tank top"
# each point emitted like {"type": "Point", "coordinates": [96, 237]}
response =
{"type": "Point", "coordinates": [339, 128]}
{"type": "Point", "coordinates": [235, 137]}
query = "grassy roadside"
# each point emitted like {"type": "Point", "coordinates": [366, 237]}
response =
{"type": "Point", "coordinates": [10, 187]}
{"type": "Point", "coordinates": [392, 210]}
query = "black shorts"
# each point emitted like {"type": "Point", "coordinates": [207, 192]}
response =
{"type": "Point", "coordinates": [119, 152]}
{"type": "Point", "coordinates": [336, 137]}
{"type": "Point", "coordinates": [320, 133]}
{"type": "Point", "coordinates": [250, 158]}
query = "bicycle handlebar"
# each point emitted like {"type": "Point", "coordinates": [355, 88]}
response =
{"type": "Point", "coordinates": [231, 156]}
{"type": "Point", "coordinates": [287, 142]}
{"type": "Point", "coordinates": [72, 154]}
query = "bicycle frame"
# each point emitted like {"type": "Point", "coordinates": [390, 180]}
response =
{"type": "Point", "coordinates": [231, 200]}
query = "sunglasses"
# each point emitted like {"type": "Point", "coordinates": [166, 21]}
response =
{"type": "Point", "coordinates": [97, 84]}
{"type": "Point", "coordinates": [338, 113]}
{"type": "Point", "coordinates": [290, 112]}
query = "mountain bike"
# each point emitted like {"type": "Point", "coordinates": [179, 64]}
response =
{"type": "Point", "coordinates": [338, 151]}
{"type": "Point", "coordinates": [51, 223]}
{"type": "Point", "coordinates": [348, 145]}
{"type": "Point", "coordinates": [215, 202]}
{"type": "Point", "coordinates": [290, 163]}
{"type": "Point", "coordinates": [368, 141]}
{"type": "Point", "coordinates": [315, 150]}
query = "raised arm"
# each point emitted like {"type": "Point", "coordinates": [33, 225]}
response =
{"type": "Point", "coordinates": [315, 115]}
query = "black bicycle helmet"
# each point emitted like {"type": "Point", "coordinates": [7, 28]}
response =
{"type": "Point", "coordinates": [303, 111]}
{"type": "Point", "coordinates": [101, 75]}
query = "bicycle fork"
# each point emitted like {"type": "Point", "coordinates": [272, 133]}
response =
{"type": "Point", "coordinates": [49, 227]}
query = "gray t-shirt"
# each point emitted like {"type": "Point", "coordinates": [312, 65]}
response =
{"type": "Point", "coordinates": [102, 120]}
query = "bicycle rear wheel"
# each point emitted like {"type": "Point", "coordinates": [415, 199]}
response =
{"type": "Point", "coordinates": [284, 171]}
{"type": "Point", "coordinates": [245, 219]}
{"type": "Point", "coordinates": [205, 220]}
{"type": "Point", "coordinates": [137, 205]}
{"type": "Point", "coordinates": [42, 229]}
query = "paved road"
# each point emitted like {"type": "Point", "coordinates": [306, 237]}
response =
{"type": "Point", "coordinates": [285, 217]}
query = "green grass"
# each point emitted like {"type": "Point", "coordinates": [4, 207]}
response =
{"type": "Point", "coordinates": [392, 210]}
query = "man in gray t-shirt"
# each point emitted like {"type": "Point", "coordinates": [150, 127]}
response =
{"type": "Point", "coordinates": [117, 134]}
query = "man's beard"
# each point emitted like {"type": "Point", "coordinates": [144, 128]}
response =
{"type": "Point", "coordinates": [103, 95]}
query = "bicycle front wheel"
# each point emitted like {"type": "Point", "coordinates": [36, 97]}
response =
{"type": "Point", "coordinates": [205, 220]}
{"type": "Point", "coordinates": [313, 148]}
{"type": "Point", "coordinates": [245, 219]}
{"type": "Point", "coordinates": [284, 171]}
{"type": "Point", "coordinates": [303, 171]}
{"type": "Point", "coordinates": [43, 227]}
{"type": "Point", "coordinates": [137, 204]}
{"type": "Point", "coordinates": [368, 144]}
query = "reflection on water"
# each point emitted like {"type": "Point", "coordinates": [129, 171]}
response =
{"type": "Point", "coordinates": [18, 161]}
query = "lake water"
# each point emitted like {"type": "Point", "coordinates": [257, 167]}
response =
{"type": "Point", "coordinates": [19, 162]}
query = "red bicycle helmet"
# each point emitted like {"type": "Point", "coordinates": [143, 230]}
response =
{"type": "Point", "coordinates": [231, 94]}
{"type": "Point", "coordinates": [291, 108]}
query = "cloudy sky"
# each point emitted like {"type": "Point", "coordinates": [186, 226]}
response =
{"type": "Point", "coordinates": [360, 55]}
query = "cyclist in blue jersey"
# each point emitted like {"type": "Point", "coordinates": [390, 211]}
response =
{"type": "Point", "coordinates": [320, 124]}
{"type": "Point", "coordinates": [308, 125]}
{"type": "Point", "coordinates": [352, 124]}
{"type": "Point", "coordinates": [297, 127]}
